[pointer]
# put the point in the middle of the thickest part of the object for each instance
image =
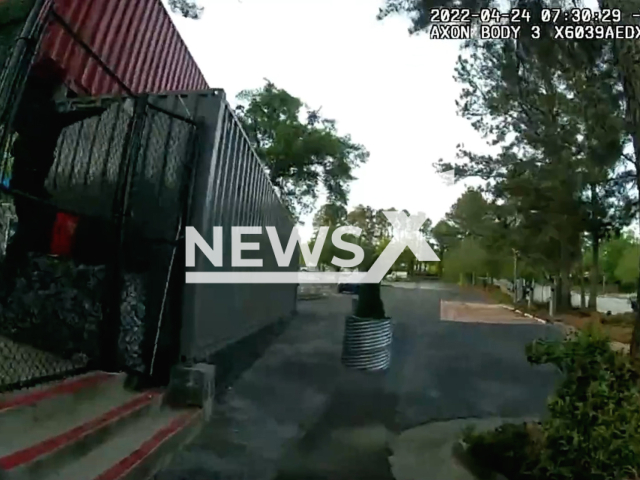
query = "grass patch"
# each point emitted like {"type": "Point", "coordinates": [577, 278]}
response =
{"type": "Point", "coordinates": [494, 294]}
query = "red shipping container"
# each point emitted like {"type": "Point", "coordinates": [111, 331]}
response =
{"type": "Point", "coordinates": [136, 39]}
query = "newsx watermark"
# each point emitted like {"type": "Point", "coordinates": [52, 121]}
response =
{"type": "Point", "coordinates": [406, 233]}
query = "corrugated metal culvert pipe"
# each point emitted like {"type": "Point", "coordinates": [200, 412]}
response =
{"type": "Point", "coordinates": [367, 344]}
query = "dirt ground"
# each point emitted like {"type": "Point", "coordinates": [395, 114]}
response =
{"type": "Point", "coordinates": [617, 332]}
{"type": "Point", "coordinates": [618, 327]}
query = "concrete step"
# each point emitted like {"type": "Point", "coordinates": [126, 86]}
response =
{"type": "Point", "coordinates": [54, 430]}
{"type": "Point", "coordinates": [138, 451]}
{"type": "Point", "coordinates": [27, 409]}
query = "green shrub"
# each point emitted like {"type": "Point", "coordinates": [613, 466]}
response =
{"type": "Point", "coordinates": [592, 431]}
{"type": "Point", "coordinates": [510, 450]}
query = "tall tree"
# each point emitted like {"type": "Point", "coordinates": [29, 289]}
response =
{"type": "Point", "coordinates": [374, 226]}
{"type": "Point", "coordinates": [330, 215]}
{"type": "Point", "coordinates": [302, 150]}
{"type": "Point", "coordinates": [364, 218]}
{"type": "Point", "coordinates": [467, 259]}
{"type": "Point", "coordinates": [556, 117]}
{"type": "Point", "coordinates": [625, 59]}
{"type": "Point", "coordinates": [470, 215]}
{"type": "Point", "coordinates": [445, 237]}
{"type": "Point", "coordinates": [522, 109]}
{"type": "Point", "coordinates": [593, 80]}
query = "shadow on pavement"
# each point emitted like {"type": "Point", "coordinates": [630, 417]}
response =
{"type": "Point", "coordinates": [351, 438]}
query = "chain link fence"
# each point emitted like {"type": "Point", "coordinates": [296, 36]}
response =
{"type": "Point", "coordinates": [53, 309]}
{"type": "Point", "coordinates": [86, 267]}
{"type": "Point", "coordinates": [51, 305]}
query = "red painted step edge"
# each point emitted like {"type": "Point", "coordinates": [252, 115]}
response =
{"type": "Point", "coordinates": [71, 385]}
{"type": "Point", "coordinates": [49, 445]}
{"type": "Point", "coordinates": [124, 466]}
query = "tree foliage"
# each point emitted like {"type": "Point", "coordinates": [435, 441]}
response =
{"type": "Point", "coordinates": [302, 150]}
{"type": "Point", "coordinates": [553, 110]}
{"type": "Point", "coordinates": [614, 255]}
{"type": "Point", "coordinates": [626, 270]}
{"type": "Point", "coordinates": [569, 106]}
{"type": "Point", "coordinates": [470, 239]}
{"type": "Point", "coordinates": [187, 8]}
{"type": "Point", "coordinates": [376, 233]}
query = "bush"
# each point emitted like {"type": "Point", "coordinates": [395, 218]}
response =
{"type": "Point", "coordinates": [510, 450]}
{"type": "Point", "coordinates": [593, 428]}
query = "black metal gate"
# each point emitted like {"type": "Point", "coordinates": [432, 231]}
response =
{"type": "Point", "coordinates": [87, 278]}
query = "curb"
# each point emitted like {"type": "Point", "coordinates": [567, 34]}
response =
{"type": "Point", "coordinates": [565, 327]}
{"type": "Point", "coordinates": [316, 296]}
{"type": "Point", "coordinates": [528, 315]}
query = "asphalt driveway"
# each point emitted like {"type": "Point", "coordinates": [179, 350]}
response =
{"type": "Point", "coordinates": [448, 370]}
{"type": "Point", "coordinates": [297, 413]}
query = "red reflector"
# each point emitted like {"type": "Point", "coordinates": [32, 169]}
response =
{"type": "Point", "coordinates": [64, 230]}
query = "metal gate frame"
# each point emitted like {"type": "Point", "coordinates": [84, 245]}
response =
{"type": "Point", "coordinates": [12, 82]}
{"type": "Point", "coordinates": [165, 322]}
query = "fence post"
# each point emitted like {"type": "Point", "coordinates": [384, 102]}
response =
{"type": "Point", "coordinates": [111, 325]}
{"type": "Point", "coordinates": [552, 300]}
{"type": "Point", "coordinates": [23, 50]}
{"type": "Point", "coordinates": [14, 73]}
{"type": "Point", "coordinates": [158, 360]}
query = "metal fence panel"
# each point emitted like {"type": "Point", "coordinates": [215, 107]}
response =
{"type": "Point", "coordinates": [53, 315]}
{"type": "Point", "coordinates": [54, 321]}
{"type": "Point", "coordinates": [133, 174]}
{"type": "Point", "coordinates": [123, 175]}
{"type": "Point", "coordinates": [85, 173]}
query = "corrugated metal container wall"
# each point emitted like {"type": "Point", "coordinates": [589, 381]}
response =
{"type": "Point", "coordinates": [135, 39]}
{"type": "Point", "coordinates": [231, 188]}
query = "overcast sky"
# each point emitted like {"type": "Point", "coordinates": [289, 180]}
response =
{"type": "Point", "coordinates": [393, 93]}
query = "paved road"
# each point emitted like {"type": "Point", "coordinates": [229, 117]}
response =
{"type": "Point", "coordinates": [449, 370]}
{"type": "Point", "coordinates": [289, 415]}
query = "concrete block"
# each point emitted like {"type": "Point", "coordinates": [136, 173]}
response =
{"type": "Point", "coordinates": [193, 386]}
